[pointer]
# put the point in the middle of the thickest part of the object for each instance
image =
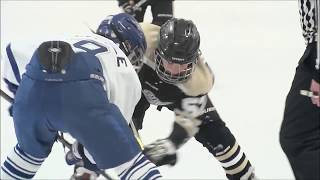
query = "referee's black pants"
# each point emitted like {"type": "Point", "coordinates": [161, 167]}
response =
{"type": "Point", "coordinates": [300, 129]}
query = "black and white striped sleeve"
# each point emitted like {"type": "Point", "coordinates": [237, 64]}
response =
{"type": "Point", "coordinates": [309, 18]}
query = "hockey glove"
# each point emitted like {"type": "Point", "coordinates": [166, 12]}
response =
{"type": "Point", "coordinates": [128, 8]}
{"type": "Point", "coordinates": [82, 173]}
{"type": "Point", "coordinates": [161, 152]}
{"type": "Point", "coordinates": [76, 156]}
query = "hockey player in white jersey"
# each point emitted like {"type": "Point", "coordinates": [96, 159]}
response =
{"type": "Point", "coordinates": [77, 85]}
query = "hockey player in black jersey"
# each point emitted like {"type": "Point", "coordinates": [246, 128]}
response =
{"type": "Point", "coordinates": [175, 76]}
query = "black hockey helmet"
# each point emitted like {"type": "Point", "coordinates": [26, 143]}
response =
{"type": "Point", "coordinates": [179, 46]}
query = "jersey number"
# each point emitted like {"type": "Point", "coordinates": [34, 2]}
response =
{"type": "Point", "coordinates": [194, 106]}
{"type": "Point", "coordinates": [95, 48]}
{"type": "Point", "coordinates": [90, 47]}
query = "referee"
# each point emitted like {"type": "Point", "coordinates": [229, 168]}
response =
{"type": "Point", "coordinates": [300, 129]}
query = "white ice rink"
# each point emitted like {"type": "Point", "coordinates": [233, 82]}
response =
{"type": "Point", "coordinates": [252, 46]}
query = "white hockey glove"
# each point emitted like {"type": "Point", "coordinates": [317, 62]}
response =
{"type": "Point", "coordinates": [161, 152]}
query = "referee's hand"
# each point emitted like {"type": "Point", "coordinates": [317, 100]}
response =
{"type": "Point", "coordinates": [315, 88]}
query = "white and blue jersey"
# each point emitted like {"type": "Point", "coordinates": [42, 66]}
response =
{"type": "Point", "coordinates": [118, 74]}
{"type": "Point", "coordinates": [93, 100]}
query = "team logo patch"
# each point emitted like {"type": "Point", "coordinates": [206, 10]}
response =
{"type": "Point", "coordinates": [152, 99]}
{"type": "Point", "coordinates": [54, 50]}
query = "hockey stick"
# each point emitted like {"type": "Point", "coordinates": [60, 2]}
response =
{"type": "Point", "coordinates": [136, 134]}
{"type": "Point", "coordinates": [137, 7]}
{"type": "Point", "coordinates": [6, 96]}
{"type": "Point", "coordinates": [60, 138]}
{"type": "Point", "coordinates": [89, 27]}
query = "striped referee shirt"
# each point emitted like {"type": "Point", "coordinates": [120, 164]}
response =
{"type": "Point", "coordinates": [309, 17]}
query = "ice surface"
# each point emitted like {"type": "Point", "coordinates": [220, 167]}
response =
{"type": "Point", "coordinates": [252, 47]}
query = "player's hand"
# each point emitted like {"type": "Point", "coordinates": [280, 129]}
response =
{"type": "Point", "coordinates": [81, 173]}
{"type": "Point", "coordinates": [128, 7]}
{"type": "Point", "coordinates": [77, 157]}
{"type": "Point", "coordinates": [315, 88]}
{"type": "Point", "coordinates": [161, 152]}
{"type": "Point", "coordinates": [73, 156]}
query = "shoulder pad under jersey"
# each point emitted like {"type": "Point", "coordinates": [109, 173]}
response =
{"type": "Point", "coordinates": [201, 81]}
{"type": "Point", "coordinates": [151, 33]}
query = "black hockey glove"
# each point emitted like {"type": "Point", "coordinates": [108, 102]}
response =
{"type": "Point", "coordinates": [128, 8]}
{"type": "Point", "coordinates": [76, 157]}
{"type": "Point", "coordinates": [81, 173]}
{"type": "Point", "coordinates": [73, 156]}
{"type": "Point", "coordinates": [161, 152]}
